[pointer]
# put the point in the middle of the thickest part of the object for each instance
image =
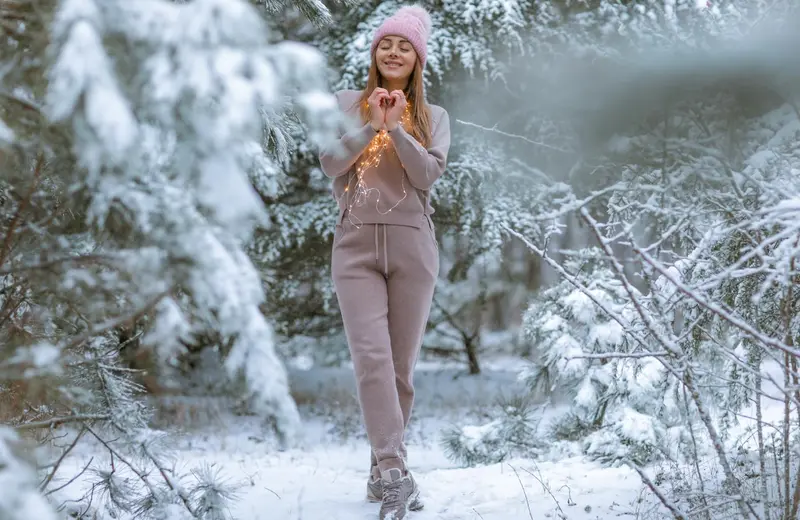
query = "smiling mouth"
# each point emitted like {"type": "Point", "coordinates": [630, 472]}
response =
{"type": "Point", "coordinates": [393, 65]}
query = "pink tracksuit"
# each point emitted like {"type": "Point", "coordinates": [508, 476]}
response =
{"type": "Point", "coordinates": [385, 263]}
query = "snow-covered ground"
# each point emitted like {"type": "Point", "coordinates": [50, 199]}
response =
{"type": "Point", "coordinates": [323, 476]}
{"type": "Point", "coordinates": [321, 480]}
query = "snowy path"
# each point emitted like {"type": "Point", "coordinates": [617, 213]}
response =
{"type": "Point", "coordinates": [324, 476]}
{"type": "Point", "coordinates": [325, 480]}
{"type": "Point", "coordinates": [328, 483]}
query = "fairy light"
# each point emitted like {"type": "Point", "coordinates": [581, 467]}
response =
{"type": "Point", "coordinates": [371, 158]}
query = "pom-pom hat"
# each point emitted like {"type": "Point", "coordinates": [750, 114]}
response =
{"type": "Point", "coordinates": [411, 22]}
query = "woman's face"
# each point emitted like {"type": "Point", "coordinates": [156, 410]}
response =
{"type": "Point", "coordinates": [395, 58]}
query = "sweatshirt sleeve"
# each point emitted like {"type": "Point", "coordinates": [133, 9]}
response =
{"type": "Point", "coordinates": [423, 166]}
{"type": "Point", "coordinates": [337, 160]}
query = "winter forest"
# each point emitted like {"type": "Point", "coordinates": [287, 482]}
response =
{"type": "Point", "coordinates": [615, 325]}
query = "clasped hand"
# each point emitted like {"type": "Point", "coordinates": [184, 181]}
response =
{"type": "Point", "coordinates": [386, 108]}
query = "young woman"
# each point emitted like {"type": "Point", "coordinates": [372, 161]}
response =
{"type": "Point", "coordinates": [385, 258]}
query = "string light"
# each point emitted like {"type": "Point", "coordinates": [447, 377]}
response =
{"type": "Point", "coordinates": [371, 158]}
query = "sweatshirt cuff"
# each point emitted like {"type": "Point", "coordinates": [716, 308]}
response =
{"type": "Point", "coordinates": [399, 133]}
{"type": "Point", "coordinates": [401, 137]}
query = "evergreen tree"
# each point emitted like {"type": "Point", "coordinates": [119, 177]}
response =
{"type": "Point", "coordinates": [130, 133]}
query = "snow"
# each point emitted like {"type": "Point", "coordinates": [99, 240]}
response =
{"type": "Point", "coordinates": [6, 134]}
{"type": "Point", "coordinates": [323, 476]}
{"type": "Point", "coordinates": [20, 499]}
{"type": "Point", "coordinates": [329, 483]}
{"type": "Point", "coordinates": [39, 358]}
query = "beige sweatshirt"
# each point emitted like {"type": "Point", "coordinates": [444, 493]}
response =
{"type": "Point", "coordinates": [396, 191]}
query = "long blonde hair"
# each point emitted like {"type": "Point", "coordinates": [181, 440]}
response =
{"type": "Point", "coordinates": [415, 95]}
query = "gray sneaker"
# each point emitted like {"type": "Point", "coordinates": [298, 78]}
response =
{"type": "Point", "coordinates": [374, 485]}
{"type": "Point", "coordinates": [400, 495]}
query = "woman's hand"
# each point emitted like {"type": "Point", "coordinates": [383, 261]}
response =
{"type": "Point", "coordinates": [376, 101]}
{"type": "Point", "coordinates": [395, 112]}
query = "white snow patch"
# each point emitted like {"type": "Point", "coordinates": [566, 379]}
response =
{"type": "Point", "coordinates": [323, 477]}
{"type": "Point", "coordinates": [322, 480]}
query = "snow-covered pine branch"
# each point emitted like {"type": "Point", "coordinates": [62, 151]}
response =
{"type": "Point", "coordinates": [687, 185]}
{"type": "Point", "coordinates": [134, 131]}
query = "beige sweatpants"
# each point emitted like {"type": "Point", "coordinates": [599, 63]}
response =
{"type": "Point", "coordinates": [384, 276]}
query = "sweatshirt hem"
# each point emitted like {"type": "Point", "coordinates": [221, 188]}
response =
{"type": "Point", "coordinates": [416, 220]}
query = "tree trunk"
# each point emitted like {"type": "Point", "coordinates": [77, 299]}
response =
{"type": "Point", "coordinates": [472, 356]}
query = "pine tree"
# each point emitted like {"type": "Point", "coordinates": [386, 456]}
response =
{"type": "Point", "coordinates": [131, 132]}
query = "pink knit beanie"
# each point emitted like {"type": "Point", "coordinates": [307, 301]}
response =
{"type": "Point", "coordinates": [413, 23]}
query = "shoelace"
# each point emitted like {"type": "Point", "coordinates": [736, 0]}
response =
{"type": "Point", "coordinates": [391, 492]}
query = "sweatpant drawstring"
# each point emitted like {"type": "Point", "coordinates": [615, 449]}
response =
{"type": "Point", "coordinates": [385, 250]}
{"type": "Point", "coordinates": [376, 243]}
{"type": "Point", "coordinates": [385, 254]}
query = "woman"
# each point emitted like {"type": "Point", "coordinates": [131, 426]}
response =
{"type": "Point", "coordinates": [385, 258]}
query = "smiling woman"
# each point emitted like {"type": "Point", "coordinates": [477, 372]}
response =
{"type": "Point", "coordinates": [396, 58]}
{"type": "Point", "coordinates": [385, 259]}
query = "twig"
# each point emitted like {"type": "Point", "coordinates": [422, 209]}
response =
{"type": "Point", "coordinates": [73, 479]}
{"type": "Point", "coordinates": [30, 105]}
{"type": "Point", "coordinates": [117, 322]}
{"type": "Point", "coordinates": [93, 258]}
{"type": "Point", "coordinates": [626, 284]}
{"type": "Point", "coordinates": [172, 485]}
{"type": "Point", "coordinates": [715, 309]}
{"type": "Point", "coordinates": [547, 488]}
{"type": "Point", "coordinates": [527, 502]}
{"type": "Point", "coordinates": [696, 456]}
{"type": "Point", "coordinates": [677, 513]}
{"type": "Point", "coordinates": [608, 355]}
{"type": "Point", "coordinates": [589, 294]}
{"type": "Point", "coordinates": [50, 476]}
{"type": "Point", "coordinates": [142, 476]}
{"type": "Point", "coordinates": [56, 421]}
{"type": "Point", "coordinates": [762, 462]}
{"type": "Point", "coordinates": [515, 136]}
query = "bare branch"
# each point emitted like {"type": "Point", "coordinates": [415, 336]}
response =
{"type": "Point", "coordinates": [106, 260]}
{"type": "Point", "coordinates": [64, 454]}
{"type": "Point", "coordinates": [118, 321]}
{"type": "Point", "coordinates": [623, 355]}
{"type": "Point", "coordinates": [57, 421]}
{"type": "Point", "coordinates": [716, 309]}
{"type": "Point", "coordinates": [674, 509]}
{"type": "Point", "coordinates": [514, 136]}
